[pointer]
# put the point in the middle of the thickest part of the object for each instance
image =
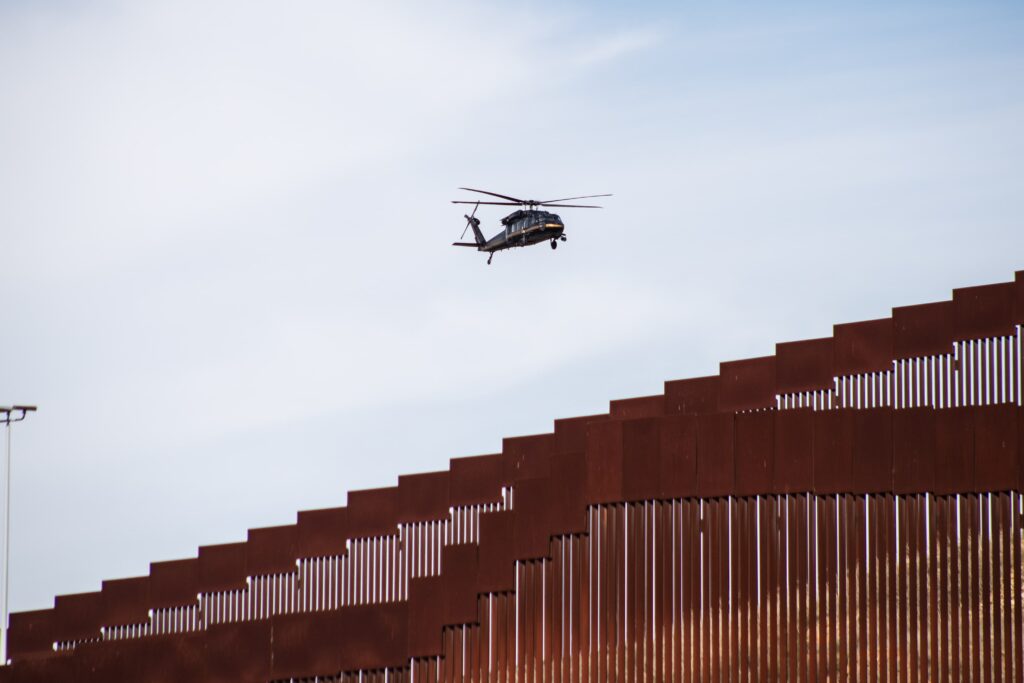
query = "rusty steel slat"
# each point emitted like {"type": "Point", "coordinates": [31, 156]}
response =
{"type": "Point", "coordinates": [977, 587]}
{"type": "Point", "coordinates": [972, 600]}
{"type": "Point", "coordinates": [630, 607]}
{"type": "Point", "coordinates": [643, 671]}
{"type": "Point", "coordinates": [804, 578]}
{"type": "Point", "coordinates": [852, 546]}
{"type": "Point", "coordinates": [606, 608]}
{"type": "Point", "coordinates": [724, 629]}
{"type": "Point", "coordinates": [649, 593]}
{"type": "Point", "coordinates": [479, 651]}
{"type": "Point", "coordinates": [691, 588]}
{"type": "Point", "coordinates": [887, 542]}
{"type": "Point", "coordinates": [709, 586]}
{"type": "Point", "coordinates": [583, 594]}
{"type": "Point", "coordinates": [822, 587]}
{"type": "Point", "coordinates": [469, 653]}
{"type": "Point", "coordinates": [554, 610]}
{"type": "Point", "coordinates": [964, 586]}
{"type": "Point", "coordinates": [926, 673]}
{"type": "Point", "coordinates": [717, 578]}
{"type": "Point", "coordinates": [736, 591]}
{"type": "Point", "coordinates": [602, 571]}
{"type": "Point", "coordinates": [458, 653]}
{"type": "Point", "coordinates": [902, 583]}
{"type": "Point", "coordinates": [742, 583]}
{"type": "Point", "coordinates": [665, 622]}
{"type": "Point", "coordinates": [1017, 582]}
{"type": "Point", "coordinates": [500, 637]}
{"type": "Point", "coordinates": [528, 619]}
{"type": "Point", "coordinates": [516, 640]}
{"type": "Point", "coordinates": [673, 586]}
{"type": "Point", "coordinates": [951, 593]}
{"type": "Point", "coordinates": [560, 609]}
{"type": "Point", "coordinates": [746, 648]}
{"type": "Point", "coordinates": [589, 586]}
{"type": "Point", "coordinates": [525, 612]}
{"type": "Point", "coordinates": [784, 584]}
{"type": "Point", "coordinates": [890, 556]}
{"type": "Point", "coordinates": [483, 657]}
{"type": "Point", "coordinates": [753, 632]}
{"type": "Point", "coordinates": [813, 628]}
{"type": "Point", "coordinates": [619, 588]}
{"type": "Point", "coordinates": [790, 601]}
{"type": "Point", "coordinates": [698, 593]}
{"type": "Point", "coordinates": [448, 656]}
{"type": "Point", "coordinates": [707, 653]}
{"type": "Point", "coordinates": [916, 662]}
{"type": "Point", "coordinates": [1016, 588]}
{"type": "Point", "coordinates": [932, 630]}
{"type": "Point", "coordinates": [610, 573]}
{"type": "Point", "coordinates": [764, 631]}
{"type": "Point", "coordinates": [985, 562]}
{"type": "Point", "coordinates": [802, 541]}
{"type": "Point", "coordinates": [939, 625]}
{"type": "Point", "coordinates": [770, 538]}
{"type": "Point", "coordinates": [763, 612]}
{"type": "Point", "coordinates": [842, 592]}
{"type": "Point", "coordinates": [652, 592]}
{"type": "Point", "coordinates": [509, 613]}
{"type": "Point", "coordinates": [540, 634]}
{"type": "Point", "coordinates": [1003, 656]}
{"type": "Point", "coordinates": [636, 651]}
{"type": "Point", "coordinates": [874, 574]}
{"type": "Point", "coordinates": [874, 580]}
{"type": "Point", "coordinates": [1016, 638]}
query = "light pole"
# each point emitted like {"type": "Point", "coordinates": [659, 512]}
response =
{"type": "Point", "coordinates": [8, 416]}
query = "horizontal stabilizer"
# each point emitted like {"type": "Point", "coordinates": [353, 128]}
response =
{"type": "Point", "coordinates": [465, 244]}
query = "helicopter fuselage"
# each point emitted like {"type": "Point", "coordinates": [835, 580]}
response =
{"type": "Point", "coordinates": [523, 228]}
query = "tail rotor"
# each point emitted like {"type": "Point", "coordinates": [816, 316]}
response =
{"type": "Point", "coordinates": [470, 220]}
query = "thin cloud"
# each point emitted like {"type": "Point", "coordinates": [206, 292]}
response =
{"type": "Point", "coordinates": [611, 48]}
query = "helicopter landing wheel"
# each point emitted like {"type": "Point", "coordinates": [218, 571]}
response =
{"type": "Point", "coordinates": [489, 259]}
{"type": "Point", "coordinates": [554, 244]}
{"type": "Point", "coordinates": [562, 238]}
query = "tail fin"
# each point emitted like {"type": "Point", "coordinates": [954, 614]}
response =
{"type": "Point", "coordinates": [475, 224]}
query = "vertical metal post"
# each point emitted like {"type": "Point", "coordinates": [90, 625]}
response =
{"type": "Point", "coordinates": [7, 540]}
{"type": "Point", "coordinates": [7, 534]}
{"type": "Point", "coordinates": [4, 626]}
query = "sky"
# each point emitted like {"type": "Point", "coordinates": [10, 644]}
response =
{"type": "Point", "coordinates": [225, 261]}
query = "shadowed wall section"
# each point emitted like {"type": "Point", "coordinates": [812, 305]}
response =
{"type": "Point", "coordinates": [847, 509]}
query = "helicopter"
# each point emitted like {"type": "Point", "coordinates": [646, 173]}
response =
{"type": "Point", "coordinates": [523, 227]}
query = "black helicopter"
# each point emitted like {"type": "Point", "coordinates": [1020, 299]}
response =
{"type": "Point", "coordinates": [523, 227]}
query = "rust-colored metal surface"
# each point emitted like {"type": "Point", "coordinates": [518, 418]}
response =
{"type": "Point", "coordinates": [849, 510]}
{"type": "Point", "coordinates": [804, 365]}
{"type": "Point", "coordinates": [271, 550]}
{"type": "Point", "coordinates": [747, 384]}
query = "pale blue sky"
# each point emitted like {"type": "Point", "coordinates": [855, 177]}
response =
{"type": "Point", "coordinates": [225, 229]}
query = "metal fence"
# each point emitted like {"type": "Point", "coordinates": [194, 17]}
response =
{"type": "Point", "coordinates": [847, 509]}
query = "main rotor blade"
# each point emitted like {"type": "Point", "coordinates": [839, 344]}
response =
{"type": "Point", "coordinates": [456, 201]}
{"type": "Point", "coordinates": [574, 206]}
{"type": "Point", "coordinates": [495, 194]}
{"type": "Point", "coordinates": [565, 199]}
